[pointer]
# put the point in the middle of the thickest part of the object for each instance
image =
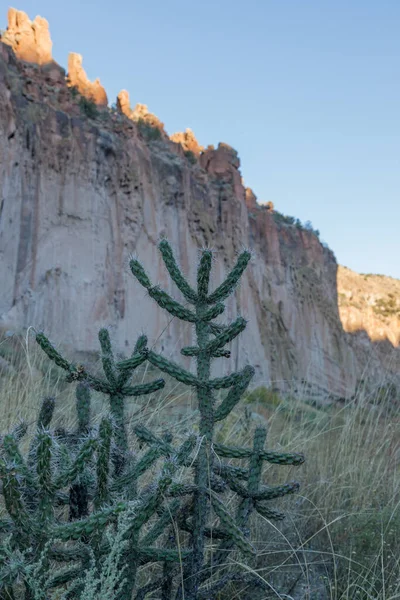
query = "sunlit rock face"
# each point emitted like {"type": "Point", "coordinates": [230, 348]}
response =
{"type": "Point", "coordinates": [30, 40]}
{"type": "Point", "coordinates": [92, 90]}
{"type": "Point", "coordinates": [79, 195]}
{"type": "Point", "coordinates": [370, 303]}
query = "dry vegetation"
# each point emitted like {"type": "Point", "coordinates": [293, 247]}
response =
{"type": "Point", "coordinates": [341, 536]}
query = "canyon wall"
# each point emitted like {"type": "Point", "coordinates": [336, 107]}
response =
{"type": "Point", "coordinates": [81, 192]}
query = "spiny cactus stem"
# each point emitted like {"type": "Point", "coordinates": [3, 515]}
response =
{"type": "Point", "coordinates": [120, 435]}
{"type": "Point", "coordinates": [204, 459]}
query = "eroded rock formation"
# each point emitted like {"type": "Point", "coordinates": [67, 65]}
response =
{"type": "Point", "coordinates": [92, 90]}
{"type": "Point", "coordinates": [188, 141]}
{"type": "Point", "coordinates": [30, 40]}
{"type": "Point", "coordinates": [78, 195]}
{"type": "Point", "coordinates": [139, 113]}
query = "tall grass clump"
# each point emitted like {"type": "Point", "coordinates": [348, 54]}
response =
{"type": "Point", "coordinates": [180, 506]}
{"type": "Point", "coordinates": [343, 533]}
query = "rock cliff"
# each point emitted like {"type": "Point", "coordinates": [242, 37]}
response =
{"type": "Point", "coordinates": [80, 192]}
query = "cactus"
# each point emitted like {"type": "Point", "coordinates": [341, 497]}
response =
{"type": "Point", "coordinates": [211, 339]}
{"type": "Point", "coordinates": [92, 472]}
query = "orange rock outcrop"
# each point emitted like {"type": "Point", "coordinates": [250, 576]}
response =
{"type": "Point", "coordinates": [30, 40]}
{"type": "Point", "coordinates": [77, 78]}
{"type": "Point", "coordinates": [139, 113]}
{"type": "Point", "coordinates": [188, 141]}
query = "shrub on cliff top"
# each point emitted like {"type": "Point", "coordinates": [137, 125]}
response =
{"type": "Point", "coordinates": [88, 108]}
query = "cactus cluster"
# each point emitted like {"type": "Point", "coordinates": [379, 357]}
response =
{"type": "Point", "coordinates": [71, 486]}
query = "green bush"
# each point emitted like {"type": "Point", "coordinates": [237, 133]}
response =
{"type": "Point", "coordinates": [148, 132]}
{"type": "Point", "coordinates": [88, 108]}
{"type": "Point", "coordinates": [191, 157]}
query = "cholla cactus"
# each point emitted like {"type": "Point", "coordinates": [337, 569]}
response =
{"type": "Point", "coordinates": [211, 341]}
{"type": "Point", "coordinates": [71, 487]}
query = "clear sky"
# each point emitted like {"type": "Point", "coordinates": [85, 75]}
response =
{"type": "Point", "coordinates": [307, 91]}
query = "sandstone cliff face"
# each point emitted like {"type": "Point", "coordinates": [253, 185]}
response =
{"type": "Point", "coordinates": [79, 195]}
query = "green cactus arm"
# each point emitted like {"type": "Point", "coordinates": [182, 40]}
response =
{"type": "Point", "coordinates": [140, 274]}
{"type": "Point", "coordinates": [146, 435]}
{"type": "Point", "coordinates": [203, 274]}
{"type": "Point", "coordinates": [90, 525]}
{"type": "Point", "coordinates": [43, 461]}
{"type": "Point", "coordinates": [226, 336]}
{"type": "Point", "coordinates": [221, 353]}
{"type": "Point", "coordinates": [84, 455]}
{"type": "Point", "coordinates": [228, 523]}
{"type": "Point", "coordinates": [83, 408]}
{"type": "Point", "coordinates": [174, 308]}
{"type": "Point", "coordinates": [185, 450]}
{"type": "Point", "coordinates": [149, 458]}
{"type": "Point", "coordinates": [107, 356]}
{"type": "Point", "coordinates": [139, 355]}
{"type": "Point", "coordinates": [232, 451]}
{"type": "Point", "coordinates": [103, 463]}
{"type": "Point", "coordinates": [216, 328]}
{"type": "Point", "coordinates": [228, 381]}
{"type": "Point", "coordinates": [133, 362]}
{"type": "Point", "coordinates": [212, 313]}
{"type": "Point", "coordinates": [13, 499]}
{"type": "Point", "coordinates": [144, 388]}
{"type": "Point", "coordinates": [78, 373]}
{"type": "Point", "coordinates": [268, 493]}
{"type": "Point", "coordinates": [190, 351]}
{"type": "Point", "coordinates": [149, 505]}
{"type": "Point", "coordinates": [141, 344]}
{"type": "Point", "coordinates": [194, 351]}
{"type": "Point", "coordinates": [282, 458]}
{"type": "Point", "coordinates": [173, 369]}
{"type": "Point", "coordinates": [234, 395]}
{"type": "Point", "coordinates": [51, 352]}
{"type": "Point", "coordinates": [167, 516]}
{"type": "Point", "coordinates": [175, 272]}
{"type": "Point", "coordinates": [180, 456]}
{"type": "Point", "coordinates": [147, 555]}
{"type": "Point", "coordinates": [46, 412]}
{"type": "Point", "coordinates": [19, 431]}
{"type": "Point", "coordinates": [222, 469]}
{"type": "Point", "coordinates": [227, 287]}
{"type": "Point", "coordinates": [14, 456]}
{"type": "Point", "coordinates": [44, 477]}
{"type": "Point", "coordinates": [256, 463]}
{"type": "Point", "coordinates": [236, 486]}
{"type": "Point", "coordinates": [268, 513]}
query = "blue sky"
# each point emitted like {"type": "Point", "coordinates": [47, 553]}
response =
{"type": "Point", "coordinates": [307, 91]}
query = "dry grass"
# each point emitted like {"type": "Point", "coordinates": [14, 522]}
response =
{"type": "Point", "coordinates": [341, 536]}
